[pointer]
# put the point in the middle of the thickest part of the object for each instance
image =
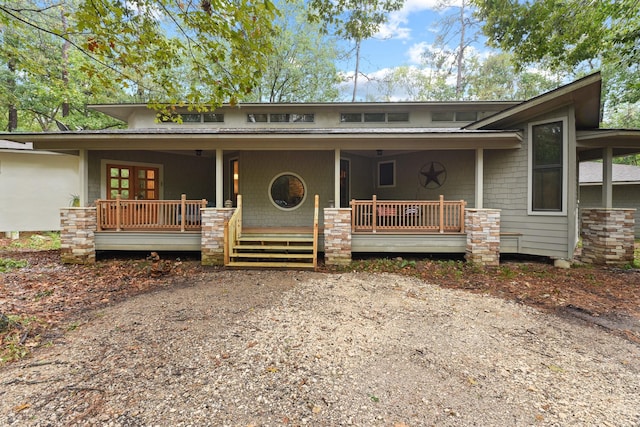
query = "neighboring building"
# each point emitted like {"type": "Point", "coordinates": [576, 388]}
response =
{"type": "Point", "coordinates": [34, 185]}
{"type": "Point", "coordinates": [626, 187]}
{"type": "Point", "coordinates": [507, 171]}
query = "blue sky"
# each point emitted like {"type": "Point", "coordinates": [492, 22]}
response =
{"type": "Point", "coordinates": [401, 41]}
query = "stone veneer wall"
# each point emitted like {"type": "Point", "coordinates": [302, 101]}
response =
{"type": "Point", "coordinates": [607, 236]}
{"type": "Point", "coordinates": [213, 220]}
{"type": "Point", "coordinates": [77, 235]}
{"type": "Point", "coordinates": [483, 236]}
{"type": "Point", "coordinates": [337, 236]}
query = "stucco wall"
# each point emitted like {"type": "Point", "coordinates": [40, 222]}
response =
{"type": "Point", "coordinates": [624, 196]}
{"type": "Point", "coordinates": [180, 174]}
{"type": "Point", "coordinates": [258, 168]}
{"type": "Point", "coordinates": [33, 188]}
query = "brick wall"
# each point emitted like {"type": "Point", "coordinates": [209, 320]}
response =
{"type": "Point", "coordinates": [483, 236]}
{"type": "Point", "coordinates": [607, 236]}
{"type": "Point", "coordinates": [77, 235]}
{"type": "Point", "coordinates": [337, 236]}
{"type": "Point", "coordinates": [213, 220]}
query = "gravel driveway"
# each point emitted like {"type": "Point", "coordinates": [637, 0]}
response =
{"type": "Point", "coordinates": [273, 348]}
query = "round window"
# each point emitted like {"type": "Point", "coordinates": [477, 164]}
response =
{"type": "Point", "coordinates": [287, 191]}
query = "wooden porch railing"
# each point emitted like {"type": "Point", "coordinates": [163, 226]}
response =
{"type": "Point", "coordinates": [119, 214]}
{"type": "Point", "coordinates": [438, 216]}
{"type": "Point", "coordinates": [232, 231]}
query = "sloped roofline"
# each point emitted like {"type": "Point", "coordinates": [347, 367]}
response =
{"type": "Point", "coordinates": [584, 93]}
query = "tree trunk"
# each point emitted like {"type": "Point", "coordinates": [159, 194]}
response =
{"type": "Point", "coordinates": [65, 66]}
{"type": "Point", "coordinates": [355, 76]}
{"type": "Point", "coordinates": [12, 123]}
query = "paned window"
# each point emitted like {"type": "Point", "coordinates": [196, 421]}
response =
{"type": "Point", "coordinates": [548, 161]}
{"type": "Point", "coordinates": [132, 182]}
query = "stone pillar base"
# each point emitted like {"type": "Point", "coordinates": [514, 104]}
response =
{"type": "Point", "coordinates": [212, 246]}
{"type": "Point", "coordinates": [77, 235]}
{"type": "Point", "coordinates": [337, 236]}
{"type": "Point", "coordinates": [483, 236]}
{"type": "Point", "coordinates": [607, 236]}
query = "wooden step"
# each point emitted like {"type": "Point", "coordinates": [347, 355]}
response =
{"type": "Point", "coordinates": [273, 247]}
{"type": "Point", "coordinates": [270, 255]}
{"type": "Point", "coordinates": [267, 239]}
{"type": "Point", "coordinates": [268, 264]}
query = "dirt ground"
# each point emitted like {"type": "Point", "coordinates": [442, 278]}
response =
{"type": "Point", "coordinates": [56, 295]}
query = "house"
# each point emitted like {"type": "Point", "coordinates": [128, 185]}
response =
{"type": "Point", "coordinates": [239, 183]}
{"type": "Point", "coordinates": [33, 187]}
{"type": "Point", "coordinates": [626, 187]}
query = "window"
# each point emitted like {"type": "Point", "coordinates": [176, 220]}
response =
{"type": "Point", "coordinates": [350, 117]}
{"type": "Point", "coordinates": [398, 117]}
{"type": "Point", "coordinates": [257, 118]}
{"type": "Point", "coordinates": [279, 118]}
{"type": "Point", "coordinates": [387, 174]}
{"type": "Point", "coordinates": [132, 182]}
{"type": "Point", "coordinates": [442, 116]}
{"type": "Point", "coordinates": [213, 118]}
{"type": "Point", "coordinates": [454, 116]}
{"type": "Point", "coordinates": [374, 117]}
{"type": "Point", "coordinates": [302, 118]}
{"type": "Point", "coordinates": [191, 118]}
{"type": "Point", "coordinates": [548, 160]}
{"type": "Point", "coordinates": [234, 180]}
{"type": "Point", "coordinates": [287, 191]}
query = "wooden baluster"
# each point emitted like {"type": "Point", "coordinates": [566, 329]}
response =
{"type": "Point", "coordinates": [118, 213]}
{"type": "Point", "coordinates": [374, 215]}
{"type": "Point", "coordinates": [183, 211]}
{"type": "Point", "coordinates": [441, 213]}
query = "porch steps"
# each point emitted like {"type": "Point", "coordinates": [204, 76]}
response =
{"type": "Point", "coordinates": [273, 250]}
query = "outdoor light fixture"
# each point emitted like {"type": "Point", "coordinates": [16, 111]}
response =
{"type": "Point", "coordinates": [379, 152]}
{"type": "Point", "coordinates": [198, 153]}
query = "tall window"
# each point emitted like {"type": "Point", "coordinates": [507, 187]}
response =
{"type": "Point", "coordinates": [132, 182]}
{"type": "Point", "coordinates": [548, 160]}
{"type": "Point", "coordinates": [234, 180]}
{"type": "Point", "coordinates": [387, 174]}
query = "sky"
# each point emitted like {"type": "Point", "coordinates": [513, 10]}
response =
{"type": "Point", "coordinates": [400, 42]}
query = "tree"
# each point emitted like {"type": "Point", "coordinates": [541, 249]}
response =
{"type": "Point", "coordinates": [567, 33]}
{"type": "Point", "coordinates": [222, 46]}
{"type": "Point", "coordinates": [353, 20]}
{"type": "Point", "coordinates": [302, 65]}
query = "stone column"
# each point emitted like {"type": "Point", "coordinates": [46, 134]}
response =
{"type": "Point", "coordinates": [337, 236]}
{"type": "Point", "coordinates": [77, 235]}
{"type": "Point", "coordinates": [483, 236]}
{"type": "Point", "coordinates": [607, 236]}
{"type": "Point", "coordinates": [212, 246]}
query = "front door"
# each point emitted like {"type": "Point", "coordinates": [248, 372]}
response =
{"type": "Point", "coordinates": [132, 182]}
{"type": "Point", "coordinates": [345, 167]}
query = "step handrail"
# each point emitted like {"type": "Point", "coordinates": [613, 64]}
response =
{"type": "Point", "coordinates": [232, 231]}
{"type": "Point", "coordinates": [315, 231]}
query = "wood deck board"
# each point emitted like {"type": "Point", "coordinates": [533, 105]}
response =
{"type": "Point", "coordinates": [280, 264]}
{"type": "Point", "coordinates": [276, 255]}
{"type": "Point", "coordinates": [274, 247]}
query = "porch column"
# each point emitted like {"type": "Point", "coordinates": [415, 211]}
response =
{"type": "Point", "coordinates": [77, 235]}
{"type": "Point", "coordinates": [212, 241]}
{"type": "Point", "coordinates": [607, 236]}
{"type": "Point", "coordinates": [479, 178]}
{"type": "Point", "coordinates": [219, 178]}
{"type": "Point", "coordinates": [83, 177]}
{"type": "Point", "coordinates": [483, 236]}
{"type": "Point", "coordinates": [336, 178]}
{"type": "Point", "coordinates": [607, 178]}
{"type": "Point", "coordinates": [337, 236]}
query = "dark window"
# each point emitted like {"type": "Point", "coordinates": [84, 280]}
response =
{"type": "Point", "coordinates": [211, 117]}
{"type": "Point", "coordinates": [191, 118]}
{"type": "Point", "coordinates": [442, 116]}
{"type": "Point", "coordinates": [547, 167]}
{"type": "Point", "coordinates": [253, 118]}
{"type": "Point", "coordinates": [386, 174]}
{"type": "Point", "coordinates": [279, 118]}
{"type": "Point", "coordinates": [374, 117]}
{"type": "Point", "coordinates": [398, 117]}
{"type": "Point", "coordinates": [302, 118]}
{"type": "Point", "coordinates": [466, 116]}
{"type": "Point", "coordinates": [351, 117]}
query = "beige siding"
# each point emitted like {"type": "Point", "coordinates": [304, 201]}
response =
{"type": "Point", "coordinates": [506, 188]}
{"type": "Point", "coordinates": [258, 168]}
{"type": "Point", "coordinates": [33, 188]}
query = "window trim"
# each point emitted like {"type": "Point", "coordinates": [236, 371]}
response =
{"type": "Point", "coordinates": [385, 162]}
{"type": "Point", "coordinates": [565, 167]}
{"type": "Point", "coordinates": [304, 196]}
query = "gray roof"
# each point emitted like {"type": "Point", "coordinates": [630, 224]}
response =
{"type": "Point", "coordinates": [591, 173]}
{"type": "Point", "coordinates": [10, 145]}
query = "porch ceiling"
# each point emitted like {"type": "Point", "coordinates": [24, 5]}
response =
{"type": "Point", "coordinates": [590, 143]}
{"type": "Point", "coordinates": [315, 139]}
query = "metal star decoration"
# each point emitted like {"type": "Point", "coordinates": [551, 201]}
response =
{"type": "Point", "coordinates": [434, 175]}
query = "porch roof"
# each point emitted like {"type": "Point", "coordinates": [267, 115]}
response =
{"type": "Point", "coordinates": [274, 139]}
{"type": "Point", "coordinates": [622, 141]}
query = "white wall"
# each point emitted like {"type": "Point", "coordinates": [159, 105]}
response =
{"type": "Point", "coordinates": [33, 188]}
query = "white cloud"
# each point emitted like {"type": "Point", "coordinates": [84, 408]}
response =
{"type": "Point", "coordinates": [397, 25]}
